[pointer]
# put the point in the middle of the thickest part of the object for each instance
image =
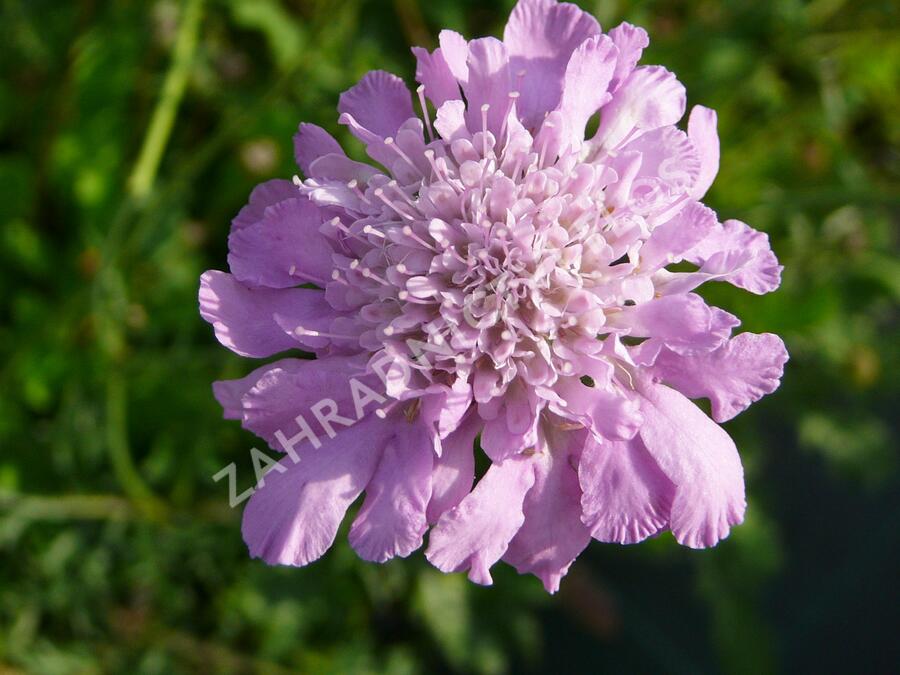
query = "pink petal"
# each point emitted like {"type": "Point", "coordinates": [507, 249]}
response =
{"type": "Point", "coordinates": [668, 158]}
{"type": "Point", "coordinates": [230, 392]}
{"type": "Point", "coordinates": [283, 249]}
{"type": "Point", "coordinates": [476, 533]}
{"type": "Point", "coordinates": [670, 241]}
{"type": "Point", "coordinates": [392, 520]}
{"type": "Point", "coordinates": [740, 255]}
{"type": "Point", "coordinates": [649, 98]}
{"type": "Point", "coordinates": [685, 323]}
{"type": "Point", "coordinates": [341, 168]}
{"type": "Point", "coordinates": [263, 196]}
{"type": "Point", "coordinates": [454, 471]}
{"type": "Point", "coordinates": [630, 41]}
{"type": "Point", "coordinates": [585, 85]}
{"type": "Point", "coordinates": [450, 121]}
{"type": "Point", "coordinates": [541, 36]}
{"type": "Point", "coordinates": [700, 459]}
{"type": "Point", "coordinates": [244, 318]}
{"type": "Point", "coordinates": [312, 142]}
{"type": "Point", "coordinates": [455, 51]}
{"type": "Point", "coordinates": [627, 498]}
{"type": "Point", "coordinates": [295, 388]}
{"type": "Point", "coordinates": [379, 102]}
{"type": "Point", "coordinates": [605, 412]}
{"type": "Point", "coordinates": [488, 84]}
{"type": "Point", "coordinates": [294, 518]}
{"type": "Point", "coordinates": [433, 72]}
{"type": "Point", "coordinates": [702, 132]}
{"type": "Point", "coordinates": [553, 534]}
{"type": "Point", "coordinates": [741, 371]}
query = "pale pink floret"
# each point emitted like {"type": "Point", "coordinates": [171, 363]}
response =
{"type": "Point", "coordinates": [494, 272]}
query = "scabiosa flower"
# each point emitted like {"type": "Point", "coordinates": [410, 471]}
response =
{"type": "Point", "coordinates": [495, 274]}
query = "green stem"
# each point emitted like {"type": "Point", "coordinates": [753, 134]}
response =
{"type": "Point", "coordinates": [141, 180]}
{"type": "Point", "coordinates": [137, 491]}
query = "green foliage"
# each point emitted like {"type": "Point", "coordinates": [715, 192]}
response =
{"type": "Point", "coordinates": [130, 134]}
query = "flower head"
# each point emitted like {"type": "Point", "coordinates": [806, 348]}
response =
{"type": "Point", "coordinates": [494, 272]}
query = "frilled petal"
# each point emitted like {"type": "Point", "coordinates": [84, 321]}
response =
{"type": "Point", "coordinates": [262, 197]}
{"type": "Point", "coordinates": [244, 318]}
{"type": "Point", "coordinates": [553, 534]}
{"type": "Point", "coordinates": [303, 403]}
{"type": "Point", "coordinates": [684, 323]}
{"type": "Point", "coordinates": [626, 496]}
{"type": "Point", "coordinates": [488, 84]}
{"type": "Point", "coordinates": [455, 51]}
{"type": "Point", "coordinates": [737, 253]}
{"type": "Point", "coordinates": [454, 471]}
{"type": "Point", "coordinates": [702, 132]}
{"type": "Point", "coordinates": [310, 143]}
{"type": "Point", "coordinates": [649, 98]}
{"type": "Point", "coordinates": [476, 533]}
{"type": "Point", "coordinates": [585, 84]}
{"type": "Point", "coordinates": [631, 42]}
{"type": "Point", "coordinates": [433, 73]}
{"type": "Point", "coordinates": [669, 167]}
{"type": "Point", "coordinates": [294, 517]}
{"type": "Point", "coordinates": [392, 519]}
{"type": "Point", "coordinates": [229, 393]}
{"type": "Point", "coordinates": [670, 241]}
{"type": "Point", "coordinates": [606, 412]}
{"type": "Point", "coordinates": [701, 461]}
{"type": "Point", "coordinates": [283, 249]}
{"type": "Point", "coordinates": [380, 102]}
{"type": "Point", "coordinates": [741, 371]}
{"type": "Point", "coordinates": [541, 36]}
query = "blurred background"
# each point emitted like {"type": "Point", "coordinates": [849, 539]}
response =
{"type": "Point", "coordinates": [132, 132]}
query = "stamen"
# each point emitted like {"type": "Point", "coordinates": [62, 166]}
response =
{"type": "Point", "coordinates": [405, 197]}
{"type": "Point", "coordinates": [429, 155]}
{"type": "Point", "coordinates": [300, 331]}
{"type": "Point", "coordinates": [544, 145]}
{"type": "Point", "coordinates": [513, 97]}
{"type": "Point", "coordinates": [484, 114]}
{"type": "Point", "coordinates": [369, 274]}
{"type": "Point", "coordinates": [396, 148]}
{"type": "Point", "coordinates": [336, 223]}
{"type": "Point", "coordinates": [379, 193]}
{"type": "Point", "coordinates": [368, 229]}
{"type": "Point", "coordinates": [420, 90]}
{"type": "Point", "coordinates": [408, 232]}
{"type": "Point", "coordinates": [353, 185]}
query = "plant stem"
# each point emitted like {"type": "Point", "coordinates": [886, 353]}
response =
{"type": "Point", "coordinates": [144, 173]}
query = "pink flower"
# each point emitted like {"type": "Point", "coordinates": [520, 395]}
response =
{"type": "Point", "coordinates": [493, 272]}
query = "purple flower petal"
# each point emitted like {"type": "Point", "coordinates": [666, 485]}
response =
{"type": "Point", "coordinates": [294, 518]}
{"type": "Point", "coordinates": [244, 318]}
{"type": "Point", "coordinates": [741, 371]}
{"type": "Point", "coordinates": [392, 520]}
{"type": "Point", "coordinates": [702, 132]}
{"type": "Point", "coordinates": [379, 102]}
{"type": "Point", "coordinates": [553, 534]}
{"type": "Point", "coordinates": [541, 36]}
{"type": "Point", "coordinates": [311, 142]}
{"type": "Point", "coordinates": [700, 459]}
{"type": "Point", "coordinates": [433, 73]}
{"type": "Point", "coordinates": [454, 470]}
{"type": "Point", "coordinates": [476, 533]}
{"type": "Point", "coordinates": [626, 496]}
{"type": "Point", "coordinates": [283, 249]}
